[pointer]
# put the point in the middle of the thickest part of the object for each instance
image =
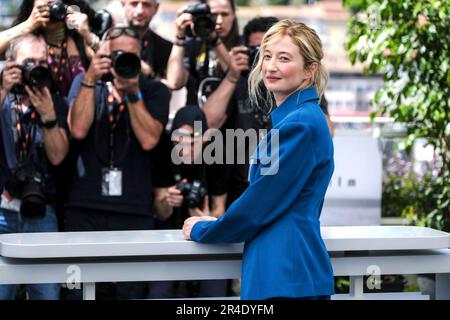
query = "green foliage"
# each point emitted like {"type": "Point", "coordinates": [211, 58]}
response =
{"type": "Point", "coordinates": [278, 2]}
{"type": "Point", "coordinates": [408, 43]}
{"type": "Point", "coordinates": [242, 2]}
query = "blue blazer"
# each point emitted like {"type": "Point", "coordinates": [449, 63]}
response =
{"type": "Point", "coordinates": [278, 215]}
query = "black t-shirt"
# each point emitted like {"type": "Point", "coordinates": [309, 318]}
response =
{"type": "Point", "coordinates": [156, 51]}
{"type": "Point", "coordinates": [38, 156]}
{"type": "Point", "coordinates": [213, 177]}
{"type": "Point", "coordinates": [4, 171]}
{"type": "Point", "coordinates": [134, 162]}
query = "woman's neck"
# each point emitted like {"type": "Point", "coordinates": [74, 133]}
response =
{"type": "Point", "coordinates": [55, 37]}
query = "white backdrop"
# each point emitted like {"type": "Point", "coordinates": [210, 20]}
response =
{"type": "Point", "coordinates": [354, 194]}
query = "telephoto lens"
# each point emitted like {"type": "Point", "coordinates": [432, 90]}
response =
{"type": "Point", "coordinates": [126, 64]}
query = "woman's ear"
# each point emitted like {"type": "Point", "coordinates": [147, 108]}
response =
{"type": "Point", "coordinates": [311, 69]}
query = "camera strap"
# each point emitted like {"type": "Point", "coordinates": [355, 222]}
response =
{"type": "Point", "coordinates": [114, 110]}
{"type": "Point", "coordinates": [25, 127]}
{"type": "Point", "coordinates": [58, 66]}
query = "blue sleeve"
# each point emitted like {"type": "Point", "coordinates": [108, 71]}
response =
{"type": "Point", "coordinates": [75, 88]}
{"type": "Point", "coordinates": [269, 196]}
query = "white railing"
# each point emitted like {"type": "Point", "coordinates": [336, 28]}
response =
{"type": "Point", "coordinates": [115, 256]}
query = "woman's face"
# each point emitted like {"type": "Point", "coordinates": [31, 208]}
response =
{"type": "Point", "coordinates": [283, 68]}
{"type": "Point", "coordinates": [224, 14]}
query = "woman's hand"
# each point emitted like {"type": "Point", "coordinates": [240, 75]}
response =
{"type": "Point", "coordinates": [183, 21]}
{"type": "Point", "coordinates": [190, 222]}
{"type": "Point", "coordinates": [40, 15]}
{"type": "Point", "coordinates": [79, 22]}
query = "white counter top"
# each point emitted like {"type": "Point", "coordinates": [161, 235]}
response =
{"type": "Point", "coordinates": [170, 242]}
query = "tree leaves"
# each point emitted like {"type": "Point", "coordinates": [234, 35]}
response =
{"type": "Point", "coordinates": [408, 43]}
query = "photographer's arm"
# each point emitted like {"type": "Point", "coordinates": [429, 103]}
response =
{"type": "Point", "coordinates": [146, 128]}
{"type": "Point", "coordinates": [163, 209]}
{"type": "Point", "coordinates": [82, 111]}
{"type": "Point", "coordinates": [223, 55]}
{"type": "Point", "coordinates": [79, 22]}
{"type": "Point", "coordinates": [177, 75]}
{"type": "Point", "coordinates": [39, 16]}
{"type": "Point", "coordinates": [218, 205]}
{"type": "Point", "coordinates": [165, 200]}
{"type": "Point", "coordinates": [216, 106]}
{"type": "Point", "coordinates": [3, 95]}
{"type": "Point", "coordinates": [56, 142]}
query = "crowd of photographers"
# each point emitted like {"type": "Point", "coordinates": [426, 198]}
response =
{"type": "Point", "coordinates": [85, 143]}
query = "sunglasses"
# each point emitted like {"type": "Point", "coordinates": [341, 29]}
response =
{"type": "Point", "coordinates": [116, 32]}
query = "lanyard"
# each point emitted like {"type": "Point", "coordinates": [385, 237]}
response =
{"type": "Point", "coordinates": [114, 110]}
{"type": "Point", "coordinates": [25, 131]}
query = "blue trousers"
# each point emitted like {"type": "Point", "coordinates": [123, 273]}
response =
{"type": "Point", "coordinates": [12, 222]}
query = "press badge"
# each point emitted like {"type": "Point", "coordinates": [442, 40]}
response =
{"type": "Point", "coordinates": [111, 182]}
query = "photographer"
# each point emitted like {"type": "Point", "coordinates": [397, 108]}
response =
{"type": "Point", "coordinates": [117, 116]}
{"type": "Point", "coordinates": [184, 190]}
{"type": "Point", "coordinates": [155, 50]}
{"type": "Point", "coordinates": [70, 38]}
{"type": "Point", "coordinates": [33, 139]}
{"type": "Point", "coordinates": [204, 52]}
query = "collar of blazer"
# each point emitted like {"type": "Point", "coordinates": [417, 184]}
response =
{"type": "Point", "coordinates": [291, 104]}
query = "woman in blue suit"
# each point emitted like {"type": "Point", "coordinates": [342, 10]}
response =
{"type": "Point", "coordinates": [278, 215]}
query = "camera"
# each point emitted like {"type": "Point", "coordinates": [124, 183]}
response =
{"type": "Point", "coordinates": [126, 64]}
{"type": "Point", "coordinates": [204, 21]}
{"type": "Point", "coordinates": [27, 184]}
{"type": "Point", "coordinates": [58, 11]}
{"type": "Point", "coordinates": [33, 76]}
{"type": "Point", "coordinates": [193, 192]}
{"type": "Point", "coordinates": [101, 22]}
{"type": "Point", "coordinates": [252, 53]}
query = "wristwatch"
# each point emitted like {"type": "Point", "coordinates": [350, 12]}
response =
{"type": "Point", "coordinates": [49, 124]}
{"type": "Point", "coordinates": [133, 98]}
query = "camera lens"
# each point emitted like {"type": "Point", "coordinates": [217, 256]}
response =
{"type": "Point", "coordinates": [58, 11]}
{"type": "Point", "coordinates": [38, 77]}
{"type": "Point", "coordinates": [33, 202]}
{"type": "Point", "coordinates": [126, 64]}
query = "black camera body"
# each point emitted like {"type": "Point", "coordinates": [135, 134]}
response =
{"type": "Point", "coordinates": [127, 65]}
{"type": "Point", "coordinates": [204, 21]}
{"type": "Point", "coordinates": [101, 22]}
{"type": "Point", "coordinates": [252, 53]}
{"type": "Point", "coordinates": [33, 76]}
{"type": "Point", "coordinates": [58, 11]}
{"type": "Point", "coordinates": [27, 184]}
{"type": "Point", "coordinates": [193, 193]}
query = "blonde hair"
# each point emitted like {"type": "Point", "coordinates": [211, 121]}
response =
{"type": "Point", "coordinates": [310, 47]}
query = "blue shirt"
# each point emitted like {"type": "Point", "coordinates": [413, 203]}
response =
{"type": "Point", "coordinates": [278, 215]}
